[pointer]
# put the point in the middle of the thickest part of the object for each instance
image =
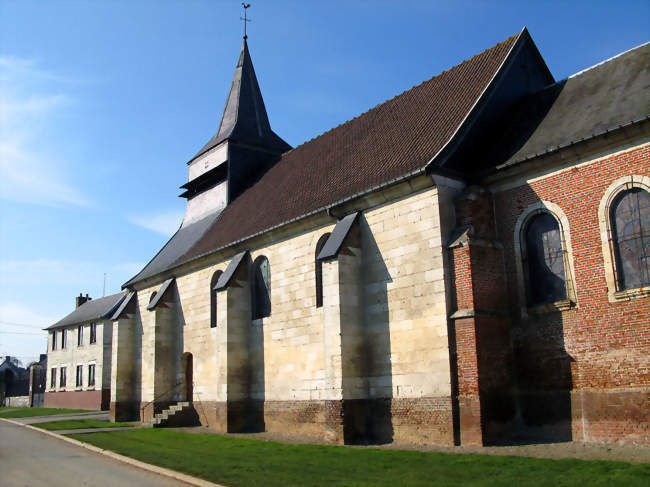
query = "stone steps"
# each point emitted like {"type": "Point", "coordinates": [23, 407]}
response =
{"type": "Point", "coordinates": [161, 418]}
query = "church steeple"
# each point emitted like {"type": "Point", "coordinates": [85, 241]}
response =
{"type": "Point", "coordinates": [244, 118]}
{"type": "Point", "coordinates": [243, 148]}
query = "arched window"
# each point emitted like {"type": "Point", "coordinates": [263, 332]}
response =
{"type": "Point", "coordinates": [544, 260]}
{"type": "Point", "coordinates": [624, 220]}
{"type": "Point", "coordinates": [213, 298]}
{"type": "Point", "coordinates": [261, 288]}
{"type": "Point", "coordinates": [318, 270]}
{"type": "Point", "coordinates": [630, 226]}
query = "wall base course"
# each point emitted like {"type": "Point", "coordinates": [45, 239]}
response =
{"type": "Point", "coordinates": [98, 399]}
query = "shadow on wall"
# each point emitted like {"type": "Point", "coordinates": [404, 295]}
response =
{"type": "Point", "coordinates": [544, 380]}
{"type": "Point", "coordinates": [542, 365]}
{"type": "Point", "coordinates": [136, 371]}
{"type": "Point", "coordinates": [375, 279]}
{"type": "Point", "coordinates": [257, 391]}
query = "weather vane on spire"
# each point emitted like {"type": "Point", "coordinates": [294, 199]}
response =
{"type": "Point", "coordinates": [245, 18]}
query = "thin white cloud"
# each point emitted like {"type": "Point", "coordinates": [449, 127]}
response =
{"type": "Point", "coordinates": [165, 223]}
{"type": "Point", "coordinates": [30, 103]}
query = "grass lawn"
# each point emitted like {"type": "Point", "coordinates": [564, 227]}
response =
{"type": "Point", "coordinates": [29, 412]}
{"type": "Point", "coordinates": [244, 462]}
{"type": "Point", "coordinates": [78, 424]}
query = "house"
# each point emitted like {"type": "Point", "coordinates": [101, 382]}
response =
{"type": "Point", "coordinates": [79, 355]}
{"type": "Point", "coordinates": [14, 383]}
{"type": "Point", "coordinates": [462, 264]}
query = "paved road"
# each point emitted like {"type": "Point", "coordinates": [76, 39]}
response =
{"type": "Point", "coordinates": [32, 459]}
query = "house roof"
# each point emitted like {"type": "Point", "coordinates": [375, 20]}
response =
{"type": "Point", "coordinates": [597, 100]}
{"type": "Point", "coordinates": [95, 309]}
{"type": "Point", "coordinates": [244, 119]}
{"type": "Point", "coordinates": [393, 140]}
{"type": "Point", "coordinates": [8, 364]}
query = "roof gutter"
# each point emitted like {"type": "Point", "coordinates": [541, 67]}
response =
{"type": "Point", "coordinates": [326, 209]}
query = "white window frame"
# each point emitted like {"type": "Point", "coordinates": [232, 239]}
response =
{"type": "Point", "coordinates": [88, 385]}
{"type": "Point", "coordinates": [77, 368]}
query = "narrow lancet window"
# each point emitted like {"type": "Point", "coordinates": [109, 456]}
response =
{"type": "Point", "coordinates": [213, 298]}
{"type": "Point", "coordinates": [545, 260]}
{"type": "Point", "coordinates": [630, 223]}
{"type": "Point", "coordinates": [261, 288]}
{"type": "Point", "coordinates": [319, 270]}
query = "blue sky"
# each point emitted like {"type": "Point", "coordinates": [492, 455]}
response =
{"type": "Point", "coordinates": [102, 103]}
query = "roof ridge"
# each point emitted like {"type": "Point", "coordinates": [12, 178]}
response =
{"type": "Point", "coordinates": [402, 93]}
{"type": "Point", "coordinates": [580, 73]}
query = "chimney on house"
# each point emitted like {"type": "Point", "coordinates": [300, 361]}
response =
{"type": "Point", "coordinates": [81, 299]}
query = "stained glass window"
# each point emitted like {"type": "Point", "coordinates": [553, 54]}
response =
{"type": "Point", "coordinates": [261, 287]}
{"type": "Point", "coordinates": [545, 260]}
{"type": "Point", "coordinates": [630, 217]}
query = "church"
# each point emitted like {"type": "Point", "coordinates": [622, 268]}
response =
{"type": "Point", "coordinates": [466, 263]}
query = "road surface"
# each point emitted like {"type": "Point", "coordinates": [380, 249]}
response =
{"type": "Point", "coordinates": [32, 459]}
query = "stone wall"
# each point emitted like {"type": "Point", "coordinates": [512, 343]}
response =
{"type": "Point", "coordinates": [17, 401]}
{"type": "Point", "coordinates": [377, 350]}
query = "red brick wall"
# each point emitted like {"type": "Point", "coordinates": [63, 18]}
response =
{"type": "Point", "coordinates": [78, 399]}
{"type": "Point", "coordinates": [599, 347]}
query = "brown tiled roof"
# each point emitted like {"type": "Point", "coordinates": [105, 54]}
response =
{"type": "Point", "coordinates": [390, 141]}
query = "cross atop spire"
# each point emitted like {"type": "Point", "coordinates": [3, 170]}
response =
{"type": "Point", "coordinates": [245, 18]}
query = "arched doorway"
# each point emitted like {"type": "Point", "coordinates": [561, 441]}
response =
{"type": "Point", "coordinates": [187, 391]}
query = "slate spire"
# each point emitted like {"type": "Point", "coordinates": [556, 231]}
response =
{"type": "Point", "coordinates": [244, 118]}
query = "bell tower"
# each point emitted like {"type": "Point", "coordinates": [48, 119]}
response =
{"type": "Point", "coordinates": [242, 149]}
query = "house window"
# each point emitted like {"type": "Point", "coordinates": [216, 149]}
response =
{"type": "Point", "coordinates": [213, 298]}
{"type": "Point", "coordinates": [93, 332]}
{"type": "Point", "coordinates": [318, 270]}
{"type": "Point", "coordinates": [544, 260]}
{"type": "Point", "coordinates": [91, 375]}
{"type": "Point", "coordinates": [63, 338]}
{"type": "Point", "coordinates": [80, 372]}
{"type": "Point", "coordinates": [53, 377]}
{"type": "Point", "coordinates": [80, 335]}
{"type": "Point", "coordinates": [630, 224]}
{"type": "Point", "coordinates": [261, 288]}
{"type": "Point", "coordinates": [54, 340]}
{"type": "Point", "coordinates": [62, 377]}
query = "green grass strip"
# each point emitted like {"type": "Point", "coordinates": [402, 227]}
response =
{"type": "Point", "coordinates": [31, 412]}
{"type": "Point", "coordinates": [78, 424]}
{"type": "Point", "coordinates": [243, 462]}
